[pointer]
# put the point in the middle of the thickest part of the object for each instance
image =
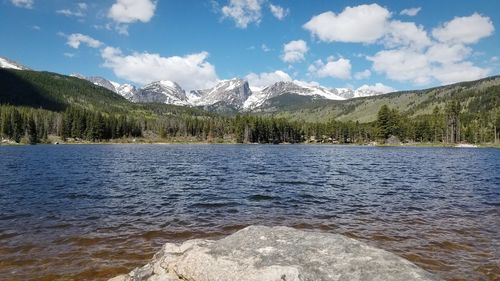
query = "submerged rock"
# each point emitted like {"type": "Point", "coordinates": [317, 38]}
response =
{"type": "Point", "coordinates": [275, 254]}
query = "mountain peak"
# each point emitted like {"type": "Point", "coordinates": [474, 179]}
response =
{"type": "Point", "coordinates": [163, 91]}
{"type": "Point", "coordinates": [233, 92]}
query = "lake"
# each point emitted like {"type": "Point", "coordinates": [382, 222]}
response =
{"type": "Point", "coordinates": [90, 212]}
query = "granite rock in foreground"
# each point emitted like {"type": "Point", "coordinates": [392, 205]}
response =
{"type": "Point", "coordinates": [259, 253]}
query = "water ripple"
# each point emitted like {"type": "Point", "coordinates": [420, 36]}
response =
{"type": "Point", "coordinates": [94, 211]}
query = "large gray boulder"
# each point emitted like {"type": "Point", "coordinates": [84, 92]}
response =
{"type": "Point", "coordinates": [259, 253]}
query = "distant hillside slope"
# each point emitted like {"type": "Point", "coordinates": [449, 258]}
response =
{"type": "Point", "coordinates": [475, 96]}
{"type": "Point", "coordinates": [57, 92]}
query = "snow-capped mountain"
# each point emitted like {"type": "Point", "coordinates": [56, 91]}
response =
{"type": "Point", "coordinates": [126, 90]}
{"type": "Point", "coordinates": [232, 92]}
{"type": "Point", "coordinates": [235, 94]}
{"type": "Point", "coordinates": [7, 63]}
{"type": "Point", "coordinates": [258, 98]}
{"type": "Point", "coordinates": [162, 91]}
{"type": "Point", "coordinates": [358, 93]}
{"type": "Point", "coordinates": [103, 82]}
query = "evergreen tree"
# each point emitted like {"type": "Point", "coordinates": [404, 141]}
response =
{"type": "Point", "coordinates": [32, 131]}
{"type": "Point", "coordinates": [17, 126]}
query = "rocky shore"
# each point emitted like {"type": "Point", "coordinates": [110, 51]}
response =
{"type": "Point", "coordinates": [259, 253]}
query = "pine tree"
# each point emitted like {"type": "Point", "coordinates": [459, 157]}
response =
{"type": "Point", "coordinates": [17, 126]}
{"type": "Point", "coordinates": [384, 122]}
{"type": "Point", "coordinates": [32, 131]}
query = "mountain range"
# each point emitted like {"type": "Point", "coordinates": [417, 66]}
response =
{"type": "Point", "coordinates": [235, 94]}
{"type": "Point", "coordinates": [227, 95]}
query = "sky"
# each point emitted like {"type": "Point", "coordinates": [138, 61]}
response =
{"type": "Point", "coordinates": [383, 45]}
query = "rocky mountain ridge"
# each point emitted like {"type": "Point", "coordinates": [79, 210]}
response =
{"type": "Point", "coordinates": [235, 94]}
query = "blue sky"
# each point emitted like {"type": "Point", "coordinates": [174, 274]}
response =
{"type": "Point", "coordinates": [397, 44]}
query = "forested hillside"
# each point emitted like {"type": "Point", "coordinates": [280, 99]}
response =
{"type": "Point", "coordinates": [39, 107]}
{"type": "Point", "coordinates": [475, 97]}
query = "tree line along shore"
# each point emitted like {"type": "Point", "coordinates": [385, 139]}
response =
{"type": "Point", "coordinates": [445, 126]}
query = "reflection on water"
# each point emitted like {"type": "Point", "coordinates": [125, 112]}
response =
{"type": "Point", "coordinates": [89, 212]}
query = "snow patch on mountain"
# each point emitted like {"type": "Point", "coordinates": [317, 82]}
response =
{"type": "Point", "coordinates": [233, 92]}
{"type": "Point", "coordinates": [163, 92]}
{"type": "Point", "coordinates": [103, 82]}
{"type": "Point", "coordinates": [7, 63]}
{"type": "Point", "coordinates": [296, 87]}
{"type": "Point", "coordinates": [127, 91]}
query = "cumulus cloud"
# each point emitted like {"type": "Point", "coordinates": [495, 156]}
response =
{"type": "Point", "coordinates": [28, 4]}
{"type": "Point", "coordinates": [402, 65]}
{"type": "Point", "coordinates": [129, 11]}
{"type": "Point", "coordinates": [411, 12]}
{"type": "Point", "coordinates": [443, 63]}
{"type": "Point", "coordinates": [360, 24]}
{"type": "Point", "coordinates": [410, 54]}
{"type": "Point", "coordinates": [363, 74]}
{"type": "Point", "coordinates": [294, 51]}
{"type": "Point", "coordinates": [444, 53]}
{"type": "Point", "coordinates": [74, 41]}
{"type": "Point", "coordinates": [243, 12]}
{"type": "Point", "coordinates": [464, 30]}
{"type": "Point", "coordinates": [340, 68]}
{"type": "Point", "coordinates": [378, 87]}
{"type": "Point", "coordinates": [190, 71]}
{"type": "Point", "coordinates": [405, 34]}
{"type": "Point", "coordinates": [278, 11]}
{"type": "Point", "coordinates": [265, 79]}
{"type": "Point", "coordinates": [458, 72]}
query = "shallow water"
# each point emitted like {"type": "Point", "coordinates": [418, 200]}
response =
{"type": "Point", "coordinates": [90, 212]}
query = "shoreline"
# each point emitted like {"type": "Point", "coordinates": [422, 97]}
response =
{"type": "Point", "coordinates": [409, 145]}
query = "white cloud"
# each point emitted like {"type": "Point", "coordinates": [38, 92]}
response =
{"type": "Point", "coordinates": [444, 53]}
{"type": "Point", "coordinates": [360, 24]}
{"type": "Point", "coordinates": [378, 87]}
{"type": "Point", "coordinates": [494, 59]}
{"type": "Point", "coordinates": [405, 34]}
{"type": "Point", "coordinates": [411, 12]}
{"type": "Point", "coordinates": [340, 68]}
{"type": "Point", "coordinates": [294, 51]}
{"type": "Point", "coordinates": [129, 11]}
{"type": "Point", "coordinates": [74, 41]}
{"type": "Point", "coordinates": [278, 11]}
{"type": "Point", "coordinates": [363, 74]}
{"type": "Point", "coordinates": [410, 55]}
{"type": "Point", "coordinates": [402, 65]}
{"type": "Point", "coordinates": [443, 63]}
{"type": "Point", "coordinates": [458, 72]}
{"type": "Point", "coordinates": [69, 55]}
{"type": "Point", "coordinates": [190, 71]}
{"type": "Point", "coordinates": [78, 12]}
{"type": "Point", "coordinates": [69, 13]}
{"type": "Point", "coordinates": [265, 79]}
{"type": "Point", "coordinates": [36, 27]}
{"type": "Point", "coordinates": [28, 4]}
{"type": "Point", "coordinates": [466, 30]}
{"type": "Point", "coordinates": [243, 12]}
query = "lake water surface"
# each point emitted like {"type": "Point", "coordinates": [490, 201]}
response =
{"type": "Point", "coordinates": [89, 212]}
